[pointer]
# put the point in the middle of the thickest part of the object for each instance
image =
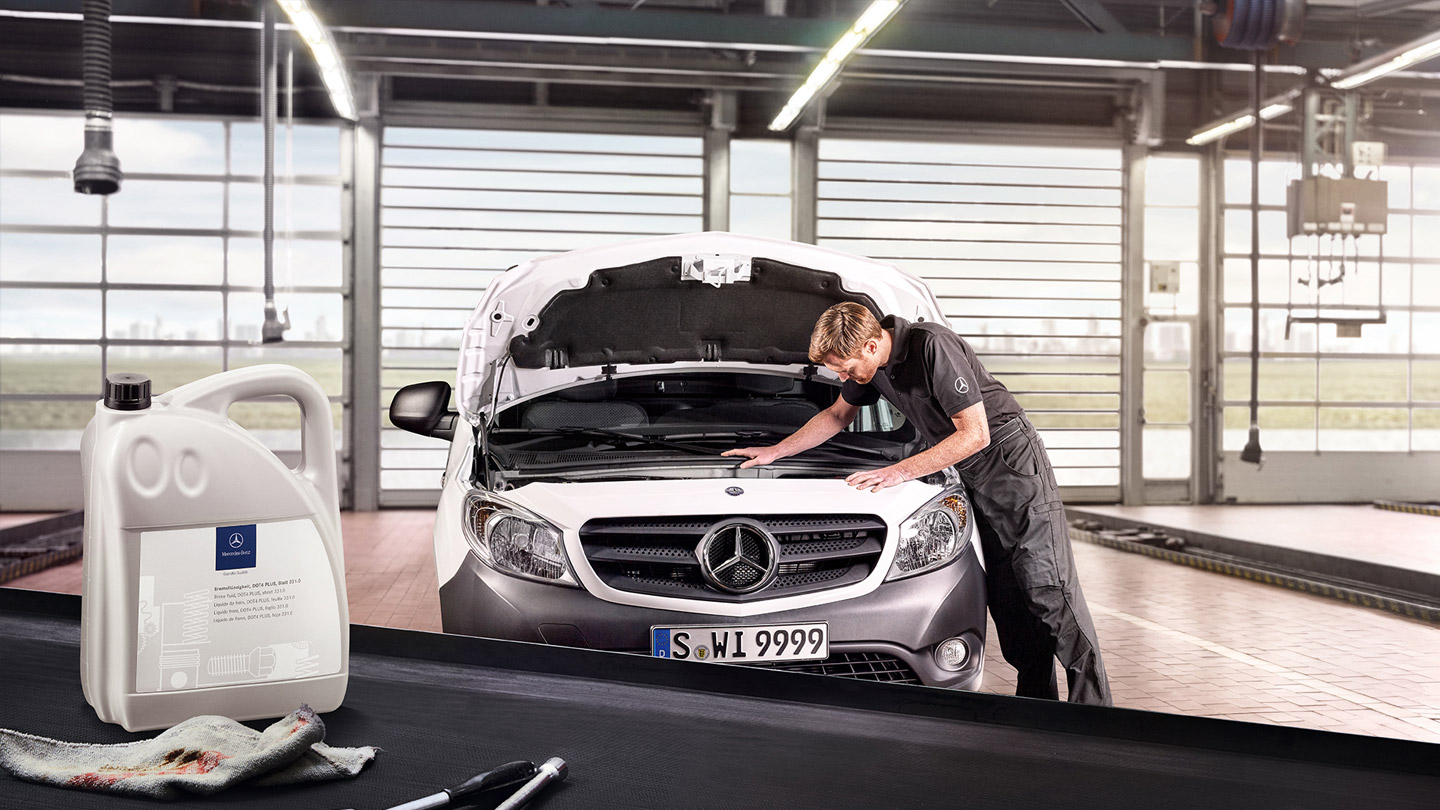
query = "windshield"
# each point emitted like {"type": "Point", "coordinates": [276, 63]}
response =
{"type": "Point", "coordinates": [680, 416]}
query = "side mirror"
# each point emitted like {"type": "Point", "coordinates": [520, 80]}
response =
{"type": "Point", "coordinates": [423, 408]}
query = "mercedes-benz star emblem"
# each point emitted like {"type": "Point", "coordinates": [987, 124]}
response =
{"type": "Point", "coordinates": [738, 556]}
{"type": "Point", "coordinates": [734, 491]}
{"type": "Point", "coordinates": [237, 540]}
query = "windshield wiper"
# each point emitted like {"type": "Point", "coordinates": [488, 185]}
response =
{"type": "Point", "coordinates": [618, 438]}
{"type": "Point", "coordinates": [837, 439]}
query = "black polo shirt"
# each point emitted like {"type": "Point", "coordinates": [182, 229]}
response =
{"type": "Point", "coordinates": [932, 375]}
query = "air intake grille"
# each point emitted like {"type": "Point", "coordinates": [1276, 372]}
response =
{"type": "Point", "coordinates": [657, 555]}
{"type": "Point", "coordinates": [860, 666]}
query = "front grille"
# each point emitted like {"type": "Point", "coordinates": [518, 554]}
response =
{"type": "Point", "coordinates": [863, 666]}
{"type": "Point", "coordinates": [656, 555]}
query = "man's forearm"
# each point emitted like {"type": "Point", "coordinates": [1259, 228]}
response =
{"type": "Point", "coordinates": [817, 431]}
{"type": "Point", "coordinates": [956, 448]}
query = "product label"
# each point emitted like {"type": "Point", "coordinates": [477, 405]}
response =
{"type": "Point", "coordinates": [227, 605]}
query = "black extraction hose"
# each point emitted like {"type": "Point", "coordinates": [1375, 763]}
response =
{"type": "Point", "coordinates": [98, 169]}
{"type": "Point", "coordinates": [273, 329]}
{"type": "Point", "coordinates": [1252, 454]}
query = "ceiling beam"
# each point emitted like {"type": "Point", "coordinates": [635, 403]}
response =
{"type": "Point", "coordinates": [1095, 16]}
{"type": "Point", "coordinates": [618, 27]}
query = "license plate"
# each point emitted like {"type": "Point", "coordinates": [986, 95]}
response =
{"type": "Point", "coordinates": [743, 644]}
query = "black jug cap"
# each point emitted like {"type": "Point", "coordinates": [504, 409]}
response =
{"type": "Point", "coordinates": [127, 392]}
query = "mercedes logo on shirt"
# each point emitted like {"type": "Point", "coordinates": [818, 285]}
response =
{"type": "Point", "coordinates": [961, 387]}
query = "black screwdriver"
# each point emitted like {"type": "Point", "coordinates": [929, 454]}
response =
{"type": "Point", "coordinates": [505, 775]}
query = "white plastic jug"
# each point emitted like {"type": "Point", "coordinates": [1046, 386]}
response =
{"type": "Point", "coordinates": [214, 575]}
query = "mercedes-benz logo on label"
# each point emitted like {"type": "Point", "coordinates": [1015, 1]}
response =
{"type": "Point", "coordinates": [738, 556]}
{"type": "Point", "coordinates": [237, 540]}
{"type": "Point", "coordinates": [734, 491]}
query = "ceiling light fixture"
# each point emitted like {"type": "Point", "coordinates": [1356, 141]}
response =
{"type": "Point", "coordinates": [327, 56]}
{"type": "Point", "coordinates": [1426, 47]}
{"type": "Point", "coordinates": [872, 20]}
{"type": "Point", "coordinates": [1214, 131]}
{"type": "Point", "coordinates": [1408, 55]}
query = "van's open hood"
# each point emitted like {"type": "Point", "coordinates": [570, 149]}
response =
{"type": "Point", "coordinates": [704, 297]}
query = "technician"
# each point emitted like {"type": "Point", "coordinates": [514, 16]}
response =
{"type": "Point", "coordinates": [972, 422]}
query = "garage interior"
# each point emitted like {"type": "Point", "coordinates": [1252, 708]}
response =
{"type": "Point", "coordinates": [1071, 178]}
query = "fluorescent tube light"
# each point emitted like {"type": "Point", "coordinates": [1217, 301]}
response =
{"type": "Point", "coordinates": [327, 56]}
{"type": "Point", "coordinates": [1215, 131]}
{"type": "Point", "coordinates": [872, 20]}
{"type": "Point", "coordinates": [1422, 49]}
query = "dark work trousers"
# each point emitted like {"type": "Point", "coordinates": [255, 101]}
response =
{"type": "Point", "coordinates": [1034, 594]}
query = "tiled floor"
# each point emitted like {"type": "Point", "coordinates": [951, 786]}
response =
{"type": "Point", "coordinates": [1175, 639]}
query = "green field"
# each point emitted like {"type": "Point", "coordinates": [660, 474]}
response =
{"type": "Point", "coordinates": [30, 375]}
{"type": "Point", "coordinates": [1166, 397]}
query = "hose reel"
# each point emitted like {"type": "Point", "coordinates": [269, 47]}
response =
{"type": "Point", "coordinates": [1258, 25]}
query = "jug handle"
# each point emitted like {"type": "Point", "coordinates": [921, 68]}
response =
{"type": "Point", "coordinates": [317, 441]}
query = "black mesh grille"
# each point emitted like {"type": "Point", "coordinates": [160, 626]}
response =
{"type": "Point", "coordinates": [656, 555]}
{"type": "Point", "coordinates": [860, 666]}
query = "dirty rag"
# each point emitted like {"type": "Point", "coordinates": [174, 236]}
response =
{"type": "Point", "coordinates": [201, 755]}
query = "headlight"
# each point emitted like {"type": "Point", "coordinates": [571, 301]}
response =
{"type": "Point", "coordinates": [934, 536]}
{"type": "Point", "coordinates": [514, 541]}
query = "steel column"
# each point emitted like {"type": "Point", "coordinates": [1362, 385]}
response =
{"type": "Point", "coordinates": [723, 109]}
{"type": "Point", "coordinates": [1205, 446]}
{"type": "Point", "coordinates": [365, 417]}
{"type": "Point", "coordinates": [1132, 328]}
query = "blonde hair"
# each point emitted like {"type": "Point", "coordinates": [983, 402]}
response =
{"type": "Point", "coordinates": [841, 331]}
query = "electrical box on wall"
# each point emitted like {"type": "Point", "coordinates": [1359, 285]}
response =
{"type": "Point", "coordinates": [1330, 205]}
{"type": "Point", "coordinates": [1368, 153]}
{"type": "Point", "coordinates": [1165, 277]}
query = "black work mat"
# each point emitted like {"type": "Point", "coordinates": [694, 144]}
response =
{"type": "Point", "coordinates": [639, 745]}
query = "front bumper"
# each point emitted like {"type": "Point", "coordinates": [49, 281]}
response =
{"type": "Point", "coordinates": [905, 619]}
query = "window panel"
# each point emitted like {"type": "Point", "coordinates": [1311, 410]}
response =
{"type": "Point", "coordinates": [50, 370]}
{"type": "Point", "coordinates": [1167, 453]}
{"type": "Point", "coordinates": [1363, 380]}
{"type": "Point", "coordinates": [297, 208]}
{"type": "Point", "coordinates": [1425, 433]}
{"type": "Point", "coordinates": [1045, 271]}
{"type": "Point", "coordinates": [45, 142]}
{"type": "Point", "coordinates": [554, 222]}
{"type": "Point", "coordinates": [1172, 181]}
{"type": "Point", "coordinates": [1364, 429]}
{"type": "Point", "coordinates": [1397, 183]}
{"type": "Point", "coordinates": [168, 367]}
{"type": "Point", "coordinates": [313, 316]}
{"type": "Point", "coordinates": [1167, 345]}
{"type": "Point", "coordinates": [553, 181]}
{"type": "Point", "coordinates": [43, 425]}
{"type": "Point", "coordinates": [759, 167]}
{"type": "Point", "coordinates": [46, 201]}
{"type": "Point", "coordinates": [155, 146]}
{"type": "Point", "coordinates": [911, 192]}
{"type": "Point", "coordinates": [1427, 188]}
{"type": "Point", "coordinates": [966, 174]}
{"type": "Point", "coordinates": [49, 257]}
{"type": "Point", "coordinates": [316, 149]}
{"type": "Point", "coordinates": [549, 141]}
{"type": "Point", "coordinates": [1172, 234]}
{"type": "Point", "coordinates": [163, 315]}
{"type": "Point", "coordinates": [1425, 380]}
{"type": "Point", "coordinates": [298, 262]}
{"type": "Point", "coordinates": [168, 204]}
{"type": "Point", "coordinates": [970, 153]}
{"type": "Point", "coordinates": [760, 216]}
{"type": "Point", "coordinates": [525, 200]}
{"type": "Point", "coordinates": [327, 366]}
{"type": "Point", "coordinates": [966, 212]}
{"type": "Point", "coordinates": [41, 313]}
{"type": "Point", "coordinates": [1280, 428]}
{"type": "Point", "coordinates": [1427, 237]}
{"type": "Point", "coordinates": [1280, 380]}
{"type": "Point", "coordinates": [1167, 396]}
{"type": "Point", "coordinates": [164, 260]}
